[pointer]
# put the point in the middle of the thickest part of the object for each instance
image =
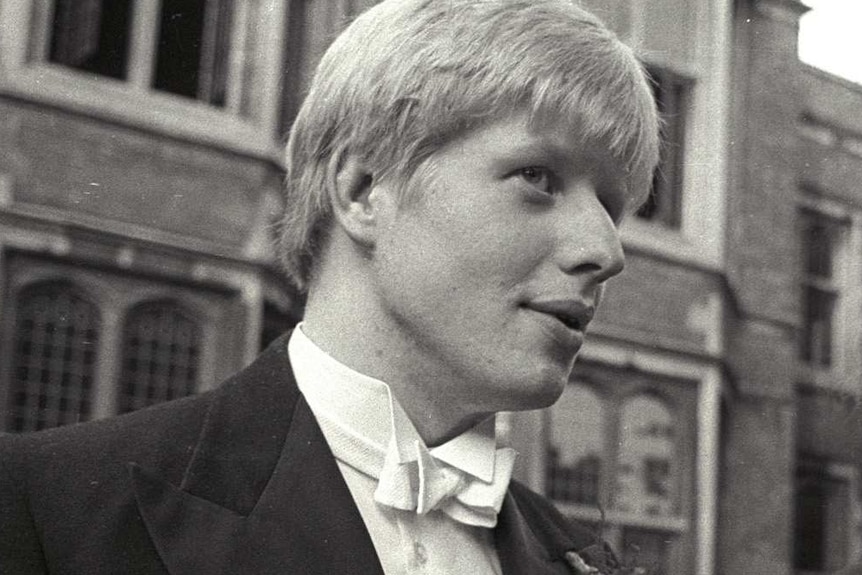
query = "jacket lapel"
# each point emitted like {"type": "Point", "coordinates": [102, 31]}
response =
{"type": "Point", "coordinates": [306, 521]}
{"type": "Point", "coordinates": [534, 538]}
{"type": "Point", "coordinates": [520, 551]}
{"type": "Point", "coordinates": [262, 492]}
{"type": "Point", "coordinates": [191, 535]}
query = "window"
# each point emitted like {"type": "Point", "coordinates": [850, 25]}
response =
{"type": "Point", "coordinates": [79, 342]}
{"type": "Point", "coordinates": [184, 46]}
{"type": "Point", "coordinates": [206, 70]}
{"type": "Point", "coordinates": [827, 509]}
{"type": "Point", "coordinates": [820, 239]}
{"type": "Point", "coordinates": [664, 205]}
{"type": "Point", "coordinates": [643, 453]}
{"type": "Point", "coordinates": [91, 35]}
{"type": "Point", "coordinates": [194, 49]}
{"type": "Point", "coordinates": [646, 452]}
{"type": "Point", "coordinates": [161, 345]}
{"type": "Point", "coordinates": [55, 342]}
{"type": "Point", "coordinates": [576, 447]}
{"type": "Point", "coordinates": [619, 457]}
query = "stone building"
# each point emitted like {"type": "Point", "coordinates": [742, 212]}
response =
{"type": "Point", "coordinates": [711, 424]}
{"type": "Point", "coordinates": [633, 447]}
{"type": "Point", "coordinates": [828, 383]}
{"type": "Point", "coordinates": [140, 173]}
{"type": "Point", "coordinates": [790, 476]}
{"type": "Point", "coordinates": [713, 421]}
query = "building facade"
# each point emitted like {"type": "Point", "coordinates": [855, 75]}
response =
{"type": "Point", "coordinates": [633, 446]}
{"type": "Point", "coordinates": [711, 424]}
{"type": "Point", "coordinates": [794, 345]}
{"type": "Point", "coordinates": [140, 174]}
{"type": "Point", "coordinates": [828, 385]}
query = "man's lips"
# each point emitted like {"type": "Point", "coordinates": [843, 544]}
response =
{"type": "Point", "coordinates": [574, 314]}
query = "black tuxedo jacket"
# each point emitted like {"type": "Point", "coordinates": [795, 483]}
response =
{"type": "Point", "coordinates": [236, 480]}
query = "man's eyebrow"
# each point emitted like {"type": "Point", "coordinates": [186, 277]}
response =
{"type": "Point", "coordinates": [545, 147]}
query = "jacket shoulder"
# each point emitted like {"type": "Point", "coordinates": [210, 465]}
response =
{"type": "Point", "coordinates": [164, 436]}
{"type": "Point", "coordinates": [151, 436]}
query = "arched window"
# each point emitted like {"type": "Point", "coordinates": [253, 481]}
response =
{"type": "Point", "coordinates": [161, 346]}
{"type": "Point", "coordinates": [576, 445]}
{"type": "Point", "coordinates": [646, 457]}
{"type": "Point", "coordinates": [56, 336]}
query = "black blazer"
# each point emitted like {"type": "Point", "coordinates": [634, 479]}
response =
{"type": "Point", "coordinates": [236, 480]}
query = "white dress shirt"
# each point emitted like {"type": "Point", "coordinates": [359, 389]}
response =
{"type": "Point", "coordinates": [359, 415]}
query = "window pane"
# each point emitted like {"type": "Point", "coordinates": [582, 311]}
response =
{"type": "Point", "coordinates": [818, 307]}
{"type": "Point", "coordinates": [664, 204]}
{"type": "Point", "coordinates": [91, 35]}
{"type": "Point", "coordinates": [56, 337]}
{"type": "Point", "coordinates": [575, 451]}
{"type": "Point", "coordinates": [821, 540]}
{"type": "Point", "coordinates": [194, 48]}
{"type": "Point", "coordinates": [818, 244]}
{"type": "Point", "coordinates": [160, 356]}
{"type": "Point", "coordinates": [645, 469]}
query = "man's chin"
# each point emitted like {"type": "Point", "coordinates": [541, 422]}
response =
{"type": "Point", "coordinates": [537, 395]}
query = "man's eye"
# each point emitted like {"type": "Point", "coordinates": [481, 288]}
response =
{"type": "Point", "coordinates": [537, 177]}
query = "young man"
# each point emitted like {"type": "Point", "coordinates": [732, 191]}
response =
{"type": "Point", "coordinates": [456, 178]}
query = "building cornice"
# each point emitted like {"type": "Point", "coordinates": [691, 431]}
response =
{"type": "Point", "coordinates": [786, 11]}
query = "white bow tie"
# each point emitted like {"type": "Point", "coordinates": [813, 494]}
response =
{"type": "Point", "coordinates": [427, 483]}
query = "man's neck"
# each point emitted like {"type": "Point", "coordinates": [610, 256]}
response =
{"type": "Point", "coordinates": [436, 417]}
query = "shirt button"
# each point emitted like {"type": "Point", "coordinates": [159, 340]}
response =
{"type": "Point", "coordinates": [420, 553]}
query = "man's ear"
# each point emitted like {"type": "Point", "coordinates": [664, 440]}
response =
{"type": "Point", "coordinates": [355, 200]}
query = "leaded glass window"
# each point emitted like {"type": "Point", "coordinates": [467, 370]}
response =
{"type": "Point", "coordinates": [161, 348]}
{"type": "Point", "coordinates": [576, 446]}
{"type": "Point", "coordinates": [56, 338]}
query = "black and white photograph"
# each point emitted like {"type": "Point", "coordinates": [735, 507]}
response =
{"type": "Point", "coordinates": [430, 287]}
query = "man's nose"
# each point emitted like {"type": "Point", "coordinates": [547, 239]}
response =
{"type": "Point", "coordinates": [589, 242]}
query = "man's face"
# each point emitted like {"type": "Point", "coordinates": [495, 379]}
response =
{"type": "Point", "coordinates": [486, 277]}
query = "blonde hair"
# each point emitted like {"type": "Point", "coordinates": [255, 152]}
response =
{"type": "Point", "coordinates": [408, 76]}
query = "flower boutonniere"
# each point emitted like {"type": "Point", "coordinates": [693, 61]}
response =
{"type": "Point", "coordinates": [580, 566]}
{"type": "Point", "coordinates": [583, 565]}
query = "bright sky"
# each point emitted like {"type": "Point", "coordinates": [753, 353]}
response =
{"type": "Point", "coordinates": [830, 37]}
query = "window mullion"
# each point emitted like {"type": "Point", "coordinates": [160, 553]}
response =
{"type": "Point", "coordinates": [144, 39]}
{"type": "Point", "coordinates": [209, 50]}
{"type": "Point", "coordinates": [106, 377]}
{"type": "Point", "coordinates": [269, 58]}
{"type": "Point", "coordinates": [238, 56]}
{"type": "Point", "coordinates": [43, 15]}
{"type": "Point", "coordinates": [610, 472]}
{"type": "Point", "coordinates": [13, 34]}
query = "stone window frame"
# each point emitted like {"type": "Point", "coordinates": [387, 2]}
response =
{"type": "Point", "coordinates": [821, 288]}
{"type": "Point", "coordinates": [65, 377]}
{"type": "Point", "coordinates": [248, 124]}
{"type": "Point", "coordinates": [116, 294]}
{"type": "Point", "coordinates": [701, 59]}
{"type": "Point", "coordinates": [180, 356]}
{"type": "Point", "coordinates": [616, 526]}
{"type": "Point", "coordinates": [840, 374]}
{"type": "Point", "coordinates": [673, 93]}
{"type": "Point", "coordinates": [846, 500]}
